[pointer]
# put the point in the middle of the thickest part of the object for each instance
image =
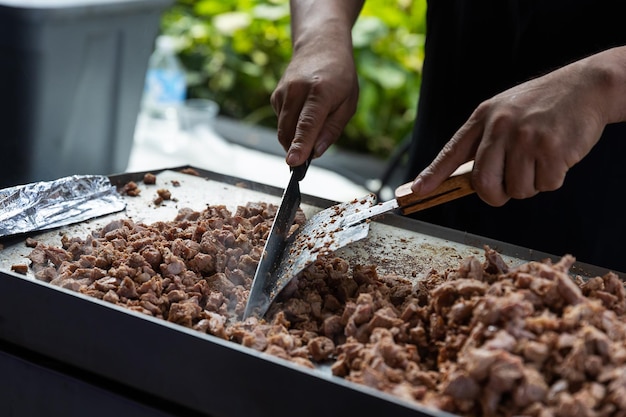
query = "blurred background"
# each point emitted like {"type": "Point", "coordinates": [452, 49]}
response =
{"type": "Point", "coordinates": [95, 86]}
{"type": "Point", "coordinates": [236, 50]}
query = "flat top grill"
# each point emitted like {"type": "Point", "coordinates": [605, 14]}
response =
{"type": "Point", "coordinates": [198, 371]}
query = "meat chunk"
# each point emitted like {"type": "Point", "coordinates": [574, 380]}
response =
{"type": "Point", "coordinates": [20, 268]}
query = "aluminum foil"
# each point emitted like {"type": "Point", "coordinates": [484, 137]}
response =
{"type": "Point", "coordinates": [49, 204]}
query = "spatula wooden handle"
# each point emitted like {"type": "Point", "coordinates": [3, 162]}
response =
{"type": "Point", "coordinates": [456, 186]}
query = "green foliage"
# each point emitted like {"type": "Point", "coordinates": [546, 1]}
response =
{"type": "Point", "coordinates": [236, 51]}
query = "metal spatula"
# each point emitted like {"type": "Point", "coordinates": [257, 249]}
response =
{"type": "Point", "coordinates": [340, 225]}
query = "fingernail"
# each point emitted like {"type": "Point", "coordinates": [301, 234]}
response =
{"type": "Point", "coordinates": [292, 158]}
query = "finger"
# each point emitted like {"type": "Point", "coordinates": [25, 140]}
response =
{"type": "Point", "coordinates": [287, 122]}
{"type": "Point", "coordinates": [518, 155]}
{"type": "Point", "coordinates": [460, 149]}
{"type": "Point", "coordinates": [334, 125]}
{"type": "Point", "coordinates": [549, 175]}
{"type": "Point", "coordinates": [276, 99]}
{"type": "Point", "coordinates": [519, 176]}
{"type": "Point", "coordinates": [488, 172]}
{"type": "Point", "coordinates": [328, 135]}
{"type": "Point", "coordinates": [288, 107]}
{"type": "Point", "coordinates": [307, 129]}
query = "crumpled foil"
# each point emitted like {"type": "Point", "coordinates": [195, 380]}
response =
{"type": "Point", "coordinates": [49, 204]}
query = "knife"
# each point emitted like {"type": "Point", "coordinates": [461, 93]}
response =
{"type": "Point", "coordinates": [264, 277]}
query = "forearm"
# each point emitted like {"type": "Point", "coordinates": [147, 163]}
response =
{"type": "Point", "coordinates": [325, 21]}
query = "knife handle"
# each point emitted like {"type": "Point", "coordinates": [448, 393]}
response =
{"type": "Point", "coordinates": [457, 185]}
{"type": "Point", "coordinates": [299, 172]}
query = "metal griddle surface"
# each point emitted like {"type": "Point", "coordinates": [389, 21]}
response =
{"type": "Point", "coordinates": [199, 372]}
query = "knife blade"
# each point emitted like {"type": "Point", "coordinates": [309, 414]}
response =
{"type": "Point", "coordinates": [259, 298]}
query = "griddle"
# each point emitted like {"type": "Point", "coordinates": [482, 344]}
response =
{"type": "Point", "coordinates": [183, 371]}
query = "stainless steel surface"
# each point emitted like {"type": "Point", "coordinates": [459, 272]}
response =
{"type": "Point", "coordinates": [195, 371]}
{"type": "Point", "coordinates": [264, 285]}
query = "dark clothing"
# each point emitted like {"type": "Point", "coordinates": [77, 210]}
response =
{"type": "Point", "coordinates": [476, 49]}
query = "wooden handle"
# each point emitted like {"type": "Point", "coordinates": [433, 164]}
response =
{"type": "Point", "coordinates": [456, 186]}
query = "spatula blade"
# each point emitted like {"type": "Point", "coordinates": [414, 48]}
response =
{"type": "Point", "coordinates": [322, 234]}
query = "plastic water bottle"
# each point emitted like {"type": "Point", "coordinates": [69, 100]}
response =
{"type": "Point", "coordinates": [165, 87]}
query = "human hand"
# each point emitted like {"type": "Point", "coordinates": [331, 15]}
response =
{"type": "Point", "coordinates": [525, 139]}
{"type": "Point", "coordinates": [315, 99]}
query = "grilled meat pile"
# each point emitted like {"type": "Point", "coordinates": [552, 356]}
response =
{"type": "Point", "coordinates": [479, 340]}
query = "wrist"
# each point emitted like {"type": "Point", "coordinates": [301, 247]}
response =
{"type": "Point", "coordinates": [324, 22]}
{"type": "Point", "coordinates": [607, 71]}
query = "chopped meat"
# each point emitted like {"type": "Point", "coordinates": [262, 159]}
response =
{"type": "Point", "coordinates": [481, 339]}
{"type": "Point", "coordinates": [190, 171]}
{"type": "Point", "coordinates": [461, 386]}
{"type": "Point", "coordinates": [131, 189]}
{"type": "Point", "coordinates": [30, 242]}
{"type": "Point", "coordinates": [20, 268]}
{"type": "Point", "coordinates": [149, 178]}
{"type": "Point", "coordinates": [321, 348]}
{"type": "Point", "coordinates": [164, 193]}
{"type": "Point", "coordinates": [184, 313]}
{"type": "Point", "coordinates": [127, 289]}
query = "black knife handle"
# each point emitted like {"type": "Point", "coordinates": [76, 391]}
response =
{"type": "Point", "coordinates": [299, 172]}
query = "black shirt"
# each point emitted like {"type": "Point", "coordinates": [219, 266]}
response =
{"type": "Point", "coordinates": [476, 49]}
